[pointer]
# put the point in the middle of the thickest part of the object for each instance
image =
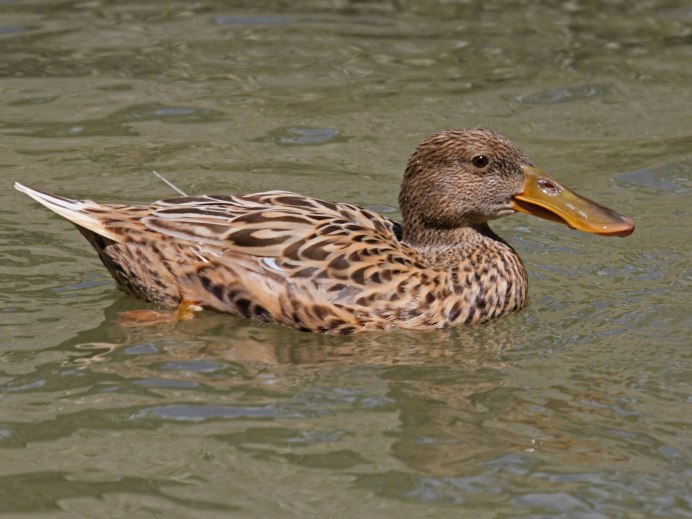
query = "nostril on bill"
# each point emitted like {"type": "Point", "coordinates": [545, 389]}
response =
{"type": "Point", "coordinates": [549, 187]}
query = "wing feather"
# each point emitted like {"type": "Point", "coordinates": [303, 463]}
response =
{"type": "Point", "coordinates": [272, 224]}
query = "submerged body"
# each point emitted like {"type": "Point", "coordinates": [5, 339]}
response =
{"type": "Point", "coordinates": [335, 267]}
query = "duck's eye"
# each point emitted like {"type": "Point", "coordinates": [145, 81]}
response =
{"type": "Point", "coordinates": [480, 161]}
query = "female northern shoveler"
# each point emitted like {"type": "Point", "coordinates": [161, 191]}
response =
{"type": "Point", "coordinates": [335, 267]}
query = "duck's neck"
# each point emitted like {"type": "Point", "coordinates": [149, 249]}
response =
{"type": "Point", "coordinates": [484, 272]}
{"type": "Point", "coordinates": [438, 244]}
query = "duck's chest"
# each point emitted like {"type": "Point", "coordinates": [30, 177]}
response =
{"type": "Point", "coordinates": [487, 286]}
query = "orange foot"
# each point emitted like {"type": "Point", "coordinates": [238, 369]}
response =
{"type": "Point", "coordinates": [135, 318]}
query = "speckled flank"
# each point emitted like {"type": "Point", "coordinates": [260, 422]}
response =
{"type": "Point", "coordinates": [333, 267]}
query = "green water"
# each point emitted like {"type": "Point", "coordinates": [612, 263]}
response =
{"type": "Point", "coordinates": [579, 406]}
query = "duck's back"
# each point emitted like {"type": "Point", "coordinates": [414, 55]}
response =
{"type": "Point", "coordinates": [277, 256]}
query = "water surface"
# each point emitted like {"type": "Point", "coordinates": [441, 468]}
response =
{"type": "Point", "coordinates": [579, 406]}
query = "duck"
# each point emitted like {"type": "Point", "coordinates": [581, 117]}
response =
{"type": "Point", "coordinates": [337, 268]}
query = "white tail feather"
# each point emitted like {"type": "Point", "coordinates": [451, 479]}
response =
{"type": "Point", "coordinates": [72, 210]}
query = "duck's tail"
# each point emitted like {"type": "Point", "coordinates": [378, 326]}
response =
{"type": "Point", "coordinates": [76, 211]}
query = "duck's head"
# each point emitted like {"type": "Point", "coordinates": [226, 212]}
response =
{"type": "Point", "coordinates": [460, 178]}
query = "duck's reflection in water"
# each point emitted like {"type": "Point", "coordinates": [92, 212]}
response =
{"type": "Point", "coordinates": [453, 400]}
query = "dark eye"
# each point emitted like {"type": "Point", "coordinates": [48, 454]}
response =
{"type": "Point", "coordinates": [480, 161]}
